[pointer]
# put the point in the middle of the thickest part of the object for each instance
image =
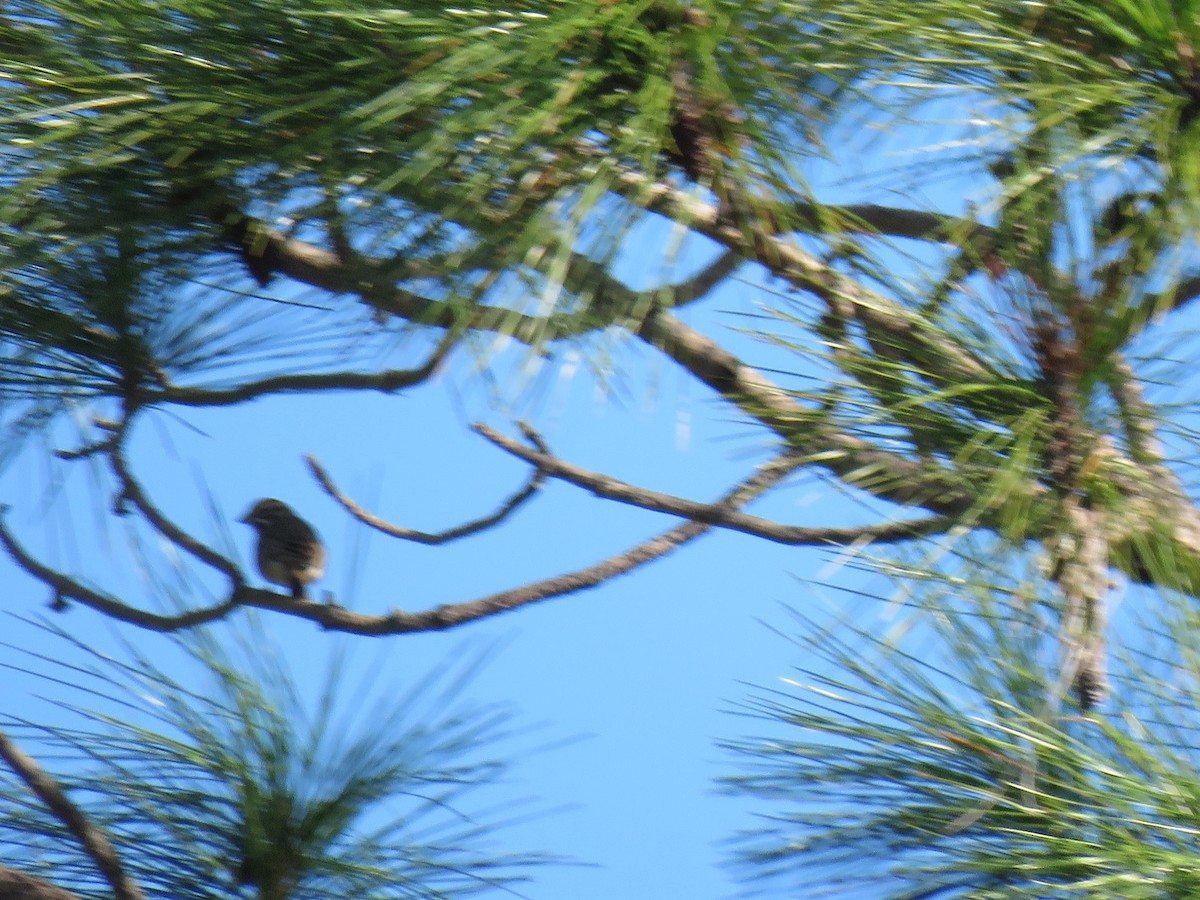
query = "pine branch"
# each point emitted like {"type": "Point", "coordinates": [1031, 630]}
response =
{"type": "Point", "coordinates": [95, 843]}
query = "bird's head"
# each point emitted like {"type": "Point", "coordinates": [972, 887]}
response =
{"type": "Point", "coordinates": [265, 513]}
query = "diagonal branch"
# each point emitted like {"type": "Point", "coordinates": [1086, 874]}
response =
{"type": "Point", "coordinates": [531, 487]}
{"type": "Point", "coordinates": [613, 489]}
{"type": "Point", "coordinates": [806, 215]}
{"type": "Point", "coordinates": [374, 284]}
{"type": "Point", "coordinates": [336, 618]}
{"type": "Point", "coordinates": [16, 885]}
{"type": "Point", "coordinates": [95, 842]}
{"type": "Point", "coordinates": [886, 475]}
{"type": "Point", "coordinates": [132, 491]}
{"type": "Point", "coordinates": [892, 477]}
{"type": "Point", "coordinates": [65, 587]}
{"type": "Point", "coordinates": [444, 617]}
{"type": "Point", "coordinates": [926, 346]}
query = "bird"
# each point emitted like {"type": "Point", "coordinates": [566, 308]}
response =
{"type": "Point", "coordinates": [289, 552]}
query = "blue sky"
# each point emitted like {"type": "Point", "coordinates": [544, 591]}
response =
{"type": "Point", "coordinates": [639, 669]}
{"type": "Point", "coordinates": [633, 682]}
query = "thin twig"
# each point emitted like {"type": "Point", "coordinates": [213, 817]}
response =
{"type": "Point", "coordinates": [336, 618]}
{"type": "Point", "coordinates": [531, 487]}
{"type": "Point", "coordinates": [450, 616]}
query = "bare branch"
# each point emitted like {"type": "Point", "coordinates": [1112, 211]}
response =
{"type": "Point", "coordinates": [807, 216]}
{"type": "Point", "coordinates": [443, 617]}
{"type": "Point", "coordinates": [132, 491]}
{"type": "Point", "coordinates": [713, 514]}
{"type": "Point", "coordinates": [776, 252]}
{"type": "Point", "coordinates": [94, 841]}
{"type": "Point", "coordinates": [898, 479]}
{"type": "Point", "coordinates": [337, 618]}
{"type": "Point", "coordinates": [386, 381]}
{"type": "Point", "coordinates": [531, 487]}
{"type": "Point", "coordinates": [65, 587]}
{"type": "Point", "coordinates": [700, 284]}
{"type": "Point", "coordinates": [1159, 535]}
{"type": "Point", "coordinates": [611, 299]}
{"type": "Point", "coordinates": [1141, 424]}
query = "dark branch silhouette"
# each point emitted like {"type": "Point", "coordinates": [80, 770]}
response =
{"type": "Point", "coordinates": [386, 381]}
{"type": "Point", "coordinates": [66, 588]}
{"type": "Point", "coordinates": [714, 514]}
{"type": "Point", "coordinates": [531, 487]}
{"type": "Point", "coordinates": [336, 618]}
{"type": "Point", "coordinates": [132, 491]}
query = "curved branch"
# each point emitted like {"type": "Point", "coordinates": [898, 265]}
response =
{"type": "Point", "coordinates": [65, 587]}
{"type": "Point", "coordinates": [610, 298]}
{"type": "Point", "coordinates": [443, 617]}
{"type": "Point", "coordinates": [132, 491]}
{"type": "Point", "coordinates": [95, 842]}
{"type": "Point", "coordinates": [907, 483]}
{"type": "Point", "coordinates": [336, 618]}
{"type": "Point", "coordinates": [531, 487]}
{"type": "Point", "coordinates": [387, 381]}
{"type": "Point", "coordinates": [713, 514]}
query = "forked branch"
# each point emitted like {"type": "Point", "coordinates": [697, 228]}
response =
{"type": "Point", "coordinates": [712, 513]}
{"type": "Point", "coordinates": [450, 616]}
{"type": "Point", "coordinates": [337, 618]}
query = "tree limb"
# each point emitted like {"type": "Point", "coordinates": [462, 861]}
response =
{"type": "Point", "coordinates": [714, 514]}
{"type": "Point", "coordinates": [16, 885]}
{"type": "Point", "coordinates": [65, 587]}
{"type": "Point", "coordinates": [450, 616]}
{"type": "Point", "coordinates": [95, 842]}
{"type": "Point", "coordinates": [1157, 540]}
{"type": "Point", "coordinates": [887, 475]}
{"type": "Point", "coordinates": [132, 491]}
{"type": "Point", "coordinates": [806, 215]}
{"type": "Point", "coordinates": [908, 483]}
{"type": "Point", "coordinates": [386, 381]}
{"type": "Point", "coordinates": [766, 245]}
{"type": "Point", "coordinates": [336, 618]}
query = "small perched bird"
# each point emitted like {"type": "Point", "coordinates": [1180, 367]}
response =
{"type": "Point", "coordinates": [289, 552]}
